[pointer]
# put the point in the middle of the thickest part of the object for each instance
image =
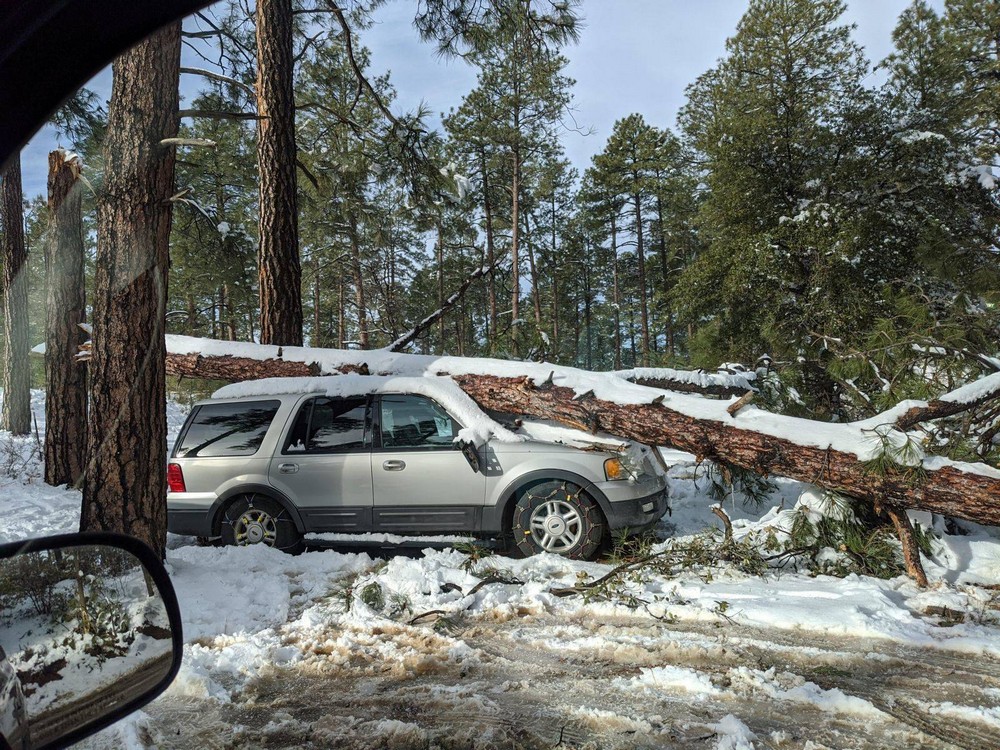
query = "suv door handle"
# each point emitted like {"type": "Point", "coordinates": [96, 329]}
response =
{"type": "Point", "coordinates": [288, 468]}
{"type": "Point", "coordinates": [393, 465]}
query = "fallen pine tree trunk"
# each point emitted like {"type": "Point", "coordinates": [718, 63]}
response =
{"type": "Point", "coordinates": [875, 460]}
{"type": "Point", "coordinates": [838, 457]}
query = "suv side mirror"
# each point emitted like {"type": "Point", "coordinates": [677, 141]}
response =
{"type": "Point", "coordinates": [91, 631]}
{"type": "Point", "coordinates": [471, 454]}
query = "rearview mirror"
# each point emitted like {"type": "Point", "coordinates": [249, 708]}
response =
{"type": "Point", "coordinates": [89, 632]}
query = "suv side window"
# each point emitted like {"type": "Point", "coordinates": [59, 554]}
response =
{"type": "Point", "coordinates": [227, 429]}
{"type": "Point", "coordinates": [415, 422]}
{"type": "Point", "coordinates": [329, 425]}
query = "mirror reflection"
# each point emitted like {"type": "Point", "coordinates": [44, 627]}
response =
{"type": "Point", "coordinates": [82, 630]}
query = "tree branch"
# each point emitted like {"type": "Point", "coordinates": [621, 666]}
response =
{"type": "Point", "coordinates": [215, 114]}
{"type": "Point", "coordinates": [221, 78]}
{"type": "Point", "coordinates": [406, 339]}
{"type": "Point", "coordinates": [960, 400]}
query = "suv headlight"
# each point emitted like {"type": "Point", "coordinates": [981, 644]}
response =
{"type": "Point", "coordinates": [623, 466]}
{"type": "Point", "coordinates": [615, 469]}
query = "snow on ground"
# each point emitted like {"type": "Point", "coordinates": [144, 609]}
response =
{"type": "Point", "coordinates": [250, 611]}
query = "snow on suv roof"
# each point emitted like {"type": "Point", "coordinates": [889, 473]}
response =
{"type": "Point", "coordinates": [478, 426]}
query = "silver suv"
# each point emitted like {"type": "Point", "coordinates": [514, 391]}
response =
{"type": "Point", "coordinates": [270, 469]}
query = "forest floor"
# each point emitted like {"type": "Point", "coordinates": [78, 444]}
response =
{"type": "Point", "coordinates": [317, 650]}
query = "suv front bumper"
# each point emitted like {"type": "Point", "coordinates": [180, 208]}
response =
{"type": "Point", "coordinates": [637, 514]}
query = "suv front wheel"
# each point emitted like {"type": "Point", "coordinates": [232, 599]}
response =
{"type": "Point", "coordinates": [557, 516]}
{"type": "Point", "coordinates": [255, 519]}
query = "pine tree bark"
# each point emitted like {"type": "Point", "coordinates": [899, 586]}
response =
{"type": "Point", "coordinates": [908, 540]}
{"type": "Point", "coordinates": [491, 288]}
{"type": "Point", "coordinates": [280, 272]}
{"type": "Point", "coordinates": [440, 285]}
{"type": "Point", "coordinates": [125, 479]}
{"type": "Point", "coordinates": [555, 285]}
{"type": "Point", "coordinates": [515, 260]}
{"type": "Point", "coordinates": [65, 309]}
{"type": "Point", "coordinates": [317, 337]}
{"type": "Point", "coordinates": [536, 295]}
{"type": "Point", "coordinates": [16, 377]}
{"type": "Point", "coordinates": [641, 257]}
{"type": "Point", "coordinates": [615, 294]}
{"type": "Point", "coordinates": [359, 286]}
{"type": "Point", "coordinates": [668, 316]}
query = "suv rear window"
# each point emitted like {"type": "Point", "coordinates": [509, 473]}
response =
{"type": "Point", "coordinates": [231, 429]}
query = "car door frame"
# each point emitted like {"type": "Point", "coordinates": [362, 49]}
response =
{"type": "Point", "coordinates": [331, 518]}
{"type": "Point", "coordinates": [421, 518]}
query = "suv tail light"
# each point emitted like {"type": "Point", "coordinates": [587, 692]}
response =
{"type": "Point", "coordinates": [175, 478]}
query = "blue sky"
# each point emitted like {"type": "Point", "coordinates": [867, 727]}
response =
{"type": "Point", "coordinates": [633, 56]}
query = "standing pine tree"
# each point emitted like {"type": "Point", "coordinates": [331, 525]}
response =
{"type": "Point", "coordinates": [65, 379]}
{"type": "Point", "coordinates": [635, 165]}
{"type": "Point", "coordinates": [778, 126]}
{"type": "Point", "coordinates": [125, 482]}
{"type": "Point", "coordinates": [16, 413]}
{"type": "Point", "coordinates": [520, 96]}
{"type": "Point", "coordinates": [280, 275]}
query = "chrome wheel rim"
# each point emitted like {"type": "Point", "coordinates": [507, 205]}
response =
{"type": "Point", "coordinates": [255, 526]}
{"type": "Point", "coordinates": [556, 526]}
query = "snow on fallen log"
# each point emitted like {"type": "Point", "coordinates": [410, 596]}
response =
{"type": "Point", "coordinates": [834, 456]}
{"type": "Point", "coordinates": [722, 384]}
{"type": "Point", "coordinates": [966, 398]}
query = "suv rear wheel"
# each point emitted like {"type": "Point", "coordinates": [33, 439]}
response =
{"type": "Point", "coordinates": [255, 519]}
{"type": "Point", "coordinates": [557, 516]}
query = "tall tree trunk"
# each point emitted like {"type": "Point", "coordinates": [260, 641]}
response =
{"type": "Point", "coordinates": [536, 296]}
{"type": "Point", "coordinates": [341, 331]}
{"type": "Point", "coordinates": [65, 309]}
{"type": "Point", "coordinates": [555, 314]}
{"type": "Point", "coordinates": [280, 271]}
{"type": "Point", "coordinates": [515, 220]}
{"type": "Point", "coordinates": [668, 316]}
{"type": "Point", "coordinates": [586, 317]}
{"type": "Point", "coordinates": [641, 257]}
{"type": "Point", "coordinates": [16, 413]}
{"type": "Point", "coordinates": [631, 333]}
{"type": "Point", "coordinates": [226, 306]}
{"type": "Point", "coordinates": [555, 285]}
{"type": "Point", "coordinates": [317, 317]}
{"type": "Point", "coordinates": [491, 284]}
{"type": "Point", "coordinates": [125, 480]}
{"type": "Point", "coordinates": [215, 316]}
{"type": "Point", "coordinates": [576, 323]}
{"type": "Point", "coordinates": [615, 294]}
{"type": "Point", "coordinates": [359, 286]}
{"type": "Point", "coordinates": [440, 284]}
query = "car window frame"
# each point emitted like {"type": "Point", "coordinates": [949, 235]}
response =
{"type": "Point", "coordinates": [179, 442]}
{"type": "Point", "coordinates": [310, 403]}
{"type": "Point", "coordinates": [379, 447]}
